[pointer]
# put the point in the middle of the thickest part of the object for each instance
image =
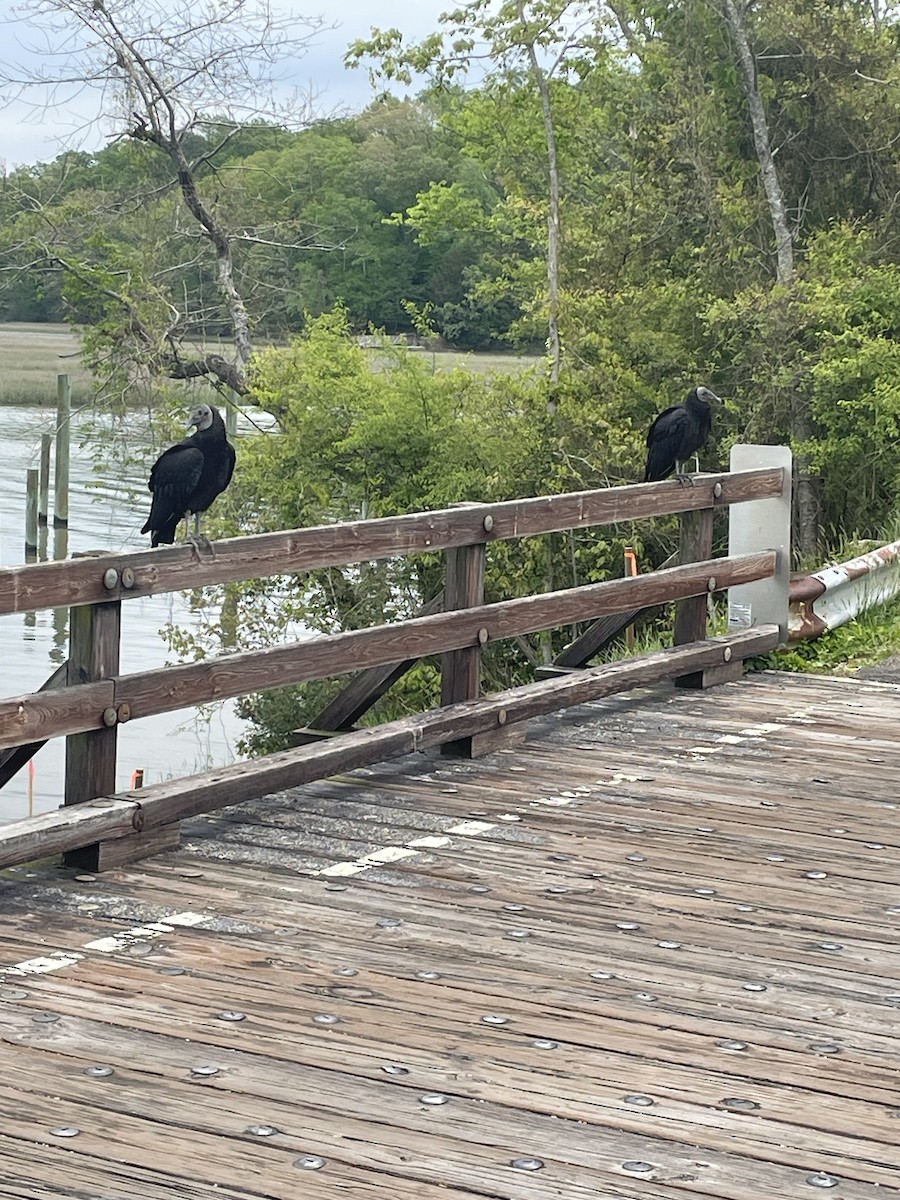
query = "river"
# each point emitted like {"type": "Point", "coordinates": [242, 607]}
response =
{"type": "Point", "coordinates": [108, 503]}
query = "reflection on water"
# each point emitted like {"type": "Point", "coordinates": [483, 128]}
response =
{"type": "Point", "coordinates": [107, 506]}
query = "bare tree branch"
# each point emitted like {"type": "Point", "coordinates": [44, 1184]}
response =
{"type": "Point", "coordinates": [167, 74]}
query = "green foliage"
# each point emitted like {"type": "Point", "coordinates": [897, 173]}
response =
{"type": "Point", "coordinates": [869, 639]}
{"type": "Point", "coordinates": [371, 439]}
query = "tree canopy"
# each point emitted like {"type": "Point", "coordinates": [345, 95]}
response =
{"type": "Point", "coordinates": [654, 194]}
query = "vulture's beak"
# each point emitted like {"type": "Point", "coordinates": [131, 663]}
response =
{"type": "Point", "coordinates": [709, 396]}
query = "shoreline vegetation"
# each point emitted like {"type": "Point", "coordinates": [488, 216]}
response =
{"type": "Point", "coordinates": [33, 354]}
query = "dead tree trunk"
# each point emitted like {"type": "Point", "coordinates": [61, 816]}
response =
{"type": "Point", "coordinates": [801, 426]}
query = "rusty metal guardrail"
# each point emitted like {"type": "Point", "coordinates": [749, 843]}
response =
{"type": "Point", "coordinates": [837, 594]}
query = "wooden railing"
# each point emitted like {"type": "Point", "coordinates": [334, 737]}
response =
{"type": "Point", "coordinates": [106, 828]}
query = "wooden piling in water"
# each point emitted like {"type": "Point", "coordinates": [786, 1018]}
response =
{"type": "Point", "coordinates": [63, 435]}
{"type": "Point", "coordinates": [44, 480]}
{"type": "Point", "coordinates": [31, 509]}
{"type": "Point", "coordinates": [231, 414]}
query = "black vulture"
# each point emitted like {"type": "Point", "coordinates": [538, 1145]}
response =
{"type": "Point", "coordinates": [188, 476]}
{"type": "Point", "coordinates": [677, 434]}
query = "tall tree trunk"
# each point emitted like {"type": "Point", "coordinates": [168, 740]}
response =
{"type": "Point", "coordinates": [553, 220]}
{"type": "Point", "coordinates": [806, 500]}
{"type": "Point", "coordinates": [784, 241]}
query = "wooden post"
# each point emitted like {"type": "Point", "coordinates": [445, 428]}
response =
{"type": "Point", "coordinates": [93, 654]}
{"type": "Point", "coordinates": [461, 669]}
{"type": "Point", "coordinates": [61, 544]}
{"type": "Point", "coordinates": [695, 546]}
{"type": "Point", "coordinates": [63, 435]}
{"type": "Point", "coordinates": [44, 483]}
{"type": "Point", "coordinates": [691, 615]}
{"type": "Point", "coordinates": [631, 570]}
{"type": "Point", "coordinates": [31, 512]}
{"type": "Point", "coordinates": [231, 414]}
{"type": "Point", "coordinates": [94, 644]}
{"type": "Point", "coordinates": [463, 588]}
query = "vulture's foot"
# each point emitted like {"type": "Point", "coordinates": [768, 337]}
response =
{"type": "Point", "coordinates": [685, 480]}
{"type": "Point", "coordinates": [200, 542]}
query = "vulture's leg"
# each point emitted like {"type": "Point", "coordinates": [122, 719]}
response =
{"type": "Point", "coordinates": [684, 479]}
{"type": "Point", "coordinates": [198, 540]}
{"type": "Point", "coordinates": [696, 464]}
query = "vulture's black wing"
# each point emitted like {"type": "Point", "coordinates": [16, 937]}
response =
{"type": "Point", "coordinates": [174, 477]}
{"type": "Point", "coordinates": [218, 468]}
{"type": "Point", "coordinates": [664, 440]}
{"type": "Point", "coordinates": [226, 467]}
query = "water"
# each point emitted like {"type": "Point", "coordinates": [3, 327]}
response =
{"type": "Point", "coordinates": [107, 507]}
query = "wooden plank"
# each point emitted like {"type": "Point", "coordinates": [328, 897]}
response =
{"type": "Point", "coordinates": [564, 1086]}
{"type": "Point", "coordinates": [35, 1170]}
{"type": "Point", "coordinates": [53, 832]}
{"type": "Point", "coordinates": [76, 582]}
{"type": "Point", "coordinates": [474, 1116]}
{"type": "Point", "coordinates": [54, 713]}
{"type": "Point", "coordinates": [165, 803]}
{"type": "Point", "coordinates": [373, 1030]}
{"type": "Point", "coordinates": [404, 1017]}
{"type": "Point", "coordinates": [572, 933]}
{"type": "Point", "coordinates": [631, 786]}
{"type": "Point", "coordinates": [471, 940]}
{"type": "Point", "coordinates": [150, 692]}
{"type": "Point", "coordinates": [13, 759]}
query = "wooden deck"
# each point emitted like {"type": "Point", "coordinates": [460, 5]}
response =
{"type": "Point", "coordinates": [653, 953]}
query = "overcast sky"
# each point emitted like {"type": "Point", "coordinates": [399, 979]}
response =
{"type": "Point", "coordinates": [27, 137]}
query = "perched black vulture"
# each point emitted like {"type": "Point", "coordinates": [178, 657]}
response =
{"type": "Point", "coordinates": [677, 434]}
{"type": "Point", "coordinates": [188, 476]}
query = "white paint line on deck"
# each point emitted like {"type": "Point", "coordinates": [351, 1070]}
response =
{"type": "Point", "coordinates": [389, 854]}
{"type": "Point", "coordinates": [471, 828]}
{"type": "Point", "coordinates": [41, 966]}
{"type": "Point", "coordinates": [105, 945]}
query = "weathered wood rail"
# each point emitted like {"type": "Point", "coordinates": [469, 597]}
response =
{"type": "Point", "coordinates": [107, 828]}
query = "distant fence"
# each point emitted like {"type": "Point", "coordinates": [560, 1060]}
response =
{"type": "Point", "coordinates": [100, 828]}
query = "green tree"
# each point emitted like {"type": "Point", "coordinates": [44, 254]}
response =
{"type": "Point", "coordinates": [363, 440]}
{"type": "Point", "coordinates": [537, 42]}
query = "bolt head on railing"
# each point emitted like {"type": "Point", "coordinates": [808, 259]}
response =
{"type": "Point", "coordinates": [483, 636]}
{"type": "Point", "coordinates": [110, 578]}
{"type": "Point", "coordinates": [717, 491]}
{"type": "Point", "coordinates": [727, 654]}
{"type": "Point", "coordinates": [711, 584]}
{"type": "Point", "coordinates": [127, 577]}
{"type": "Point", "coordinates": [110, 717]}
{"type": "Point", "coordinates": [488, 523]}
{"type": "Point", "coordinates": [502, 717]}
{"type": "Point", "coordinates": [124, 712]}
